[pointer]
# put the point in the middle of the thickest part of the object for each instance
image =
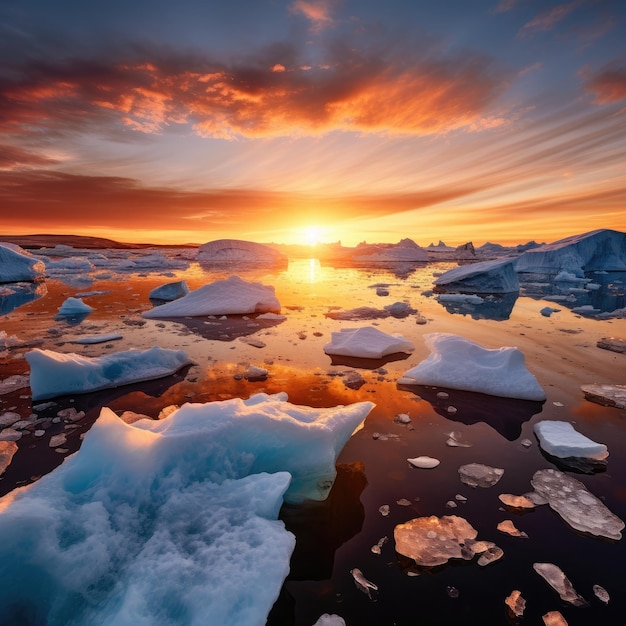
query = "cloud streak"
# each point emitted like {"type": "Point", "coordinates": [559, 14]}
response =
{"type": "Point", "coordinates": [609, 84]}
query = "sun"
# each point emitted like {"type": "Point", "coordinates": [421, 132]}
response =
{"type": "Point", "coordinates": [312, 235]}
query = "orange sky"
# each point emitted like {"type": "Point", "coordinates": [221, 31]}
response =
{"type": "Point", "coordinates": [494, 122]}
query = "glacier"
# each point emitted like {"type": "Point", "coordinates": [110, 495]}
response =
{"type": "Point", "coordinates": [168, 521]}
{"type": "Point", "coordinates": [239, 251]}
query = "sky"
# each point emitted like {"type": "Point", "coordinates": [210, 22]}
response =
{"type": "Point", "coordinates": [293, 121]}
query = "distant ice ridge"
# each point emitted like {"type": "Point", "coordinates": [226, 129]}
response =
{"type": "Point", "coordinates": [459, 363]}
{"type": "Point", "coordinates": [366, 342]}
{"type": "Point", "coordinates": [405, 250]}
{"type": "Point", "coordinates": [231, 296]}
{"type": "Point", "coordinates": [560, 439]}
{"type": "Point", "coordinates": [168, 522]}
{"type": "Point", "coordinates": [17, 265]}
{"type": "Point", "coordinates": [238, 251]}
{"type": "Point", "coordinates": [56, 374]}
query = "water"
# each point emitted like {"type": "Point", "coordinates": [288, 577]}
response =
{"type": "Point", "coordinates": [336, 536]}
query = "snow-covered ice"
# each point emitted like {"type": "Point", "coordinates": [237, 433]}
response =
{"type": "Point", "coordinates": [607, 395]}
{"type": "Point", "coordinates": [239, 251]}
{"type": "Point", "coordinates": [405, 251]}
{"type": "Point", "coordinates": [17, 265]}
{"type": "Point", "coordinates": [424, 462]}
{"type": "Point", "coordinates": [562, 440]}
{"type": "Point", "coordinates": [366, 342]}
{"type": "Point", "coordinates": [459, 363]}
{"type": "Point", "coordinates": [330, 619]}
{"type": "Point", "coordinates": [231, 296]}
{"type": "Point", "coordinates": [576, 505]}
{"type": "Point", "coordinates": [74, 306]}
{"type": "Point", "coordinates": [557, 579]}
{"type": "Point", "coordinates": [170, 291]}
{"type": "Point", "coordinates": [171, 521]}
{"type": "Point", "coordinates": [56, 374]}
{"type": "Point", "coordinates": [497, 276]}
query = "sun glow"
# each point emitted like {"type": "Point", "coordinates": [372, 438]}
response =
{"type": "Point", "coordinates": [312, 235]}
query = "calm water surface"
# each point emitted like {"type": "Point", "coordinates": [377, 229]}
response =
{"type": "Point", "coordinates": [336, 536]}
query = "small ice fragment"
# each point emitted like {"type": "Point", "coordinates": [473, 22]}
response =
{"type": "Point", "coordinates": [403, 502]}
{"type": "Point", "coordinates": [362, 583]}
{"type": "Point", "coordinates": [516, 502]}
{"type": "Point", "coordinates": [478, 475]}
{"type": "Point", "coordinates": [613, 344]}
{"type": "Point", "coordinates": [526, 443]}
{"type": "Point", "coordinates": [384, 510]}
{"type": "Point", "coordinates": [376, 549]}
{"type": "Point", "coordinates": [557, 579]}
{"type": "Point", "coordinates": [452, 592]}
{"type": "Point", "coordinates": [508, 527]}
{"type": "Point", "coordinates": [454, 441]}
{"type": "Point", "coordinates": [424, 462]}
{"type": "Point", "coordinates": [254, 373]}
{"type": "Point", "coordinates": [57, 440]}
{"type": "Point", "coordinates": [554, 618]}
{"type": "Point", "coordinates": [451, 409]}
{"type": "Point", "coordinates": [601, 593]}
{"type": "Point", "coordinates": [451, 504]}
{"type": "Point", "coordinates": [330, 620]}
{"type": "Point", "coordinates": [558, 404]}
{"type": "Point", "coordinates": [491, 555]}
{"type": "Point", "coordinates": [460, 498]}
{"type": "Point", "coordinates": [442, 395]}
{"type": "Point", "coordinates": [516, 603]}
{"type": "Point", "coordinates": [402, 418]}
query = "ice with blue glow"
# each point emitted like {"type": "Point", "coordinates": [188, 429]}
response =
{"type": "Point", "coordinates": [497, 276]}
{"type": "Point", "coordinates": [169, 521]}
{"type": "Point", "coordinates": [57, 374]}
{"type": "Point", "coordinates": [562, 440]}
{"type": "Point", "coordinates": [74, 306]}
{"type": "Point", "coordinates": [459, 363]}
{"type": "Point", "coordinates": [18, 265]}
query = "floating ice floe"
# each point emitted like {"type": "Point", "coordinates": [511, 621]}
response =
{"type": "Point", "coordinates": [576, 505]}
{"type": "Point", "coordinates": [560, 439]}
{"type": "Point", "coordinates": [497, 276]}
{"type": "Point", "coordinates": [516, 603]}
{"type": "Point", "coordinates": [595, 250]}
{"type": "Point", "coordinates": [459, 363]}
{"type": "Point", "coordinates": [17, 265]}
{"type": "Point", "coordinates": [71, 265]}
{"type": "Point", "coordinates": [557, 579]}
{"type": "Point", "coordinates": [238, 251]}
{"type": "Point", "coordinates": [56, 374]}
{"type": "Point", "coordinates": [362, 584]}
{"type": "Point", "coordinates": [479, 475]}
{"type": "Point", "coordinates": [170, 291]}
{"type": "Point", "coordinates": [508, 527]}
{"type": "Point", "coordinates": [331, 619]}
{"type": "Point", "coordinates": [74, 306]}
{"type": "Point", "coordinates": [231, 296]}
{"type": "Point", "coordinates": [553, 618]}
{"type": "Point", "coordinates": [607, 395]}
{"type": "Point", "coordinates": [612, 343]}
{"type": "Point", "coordinates": [173, 518]}
{"type": "Point", "coordinates": [367, 343]}
{"type": "Point", "coordinates": [516, 502]}
{"type": "Point", "coordinates": [548, 310]}
{"type": "Point", "coordinates": [101, 338]}
{"type": "Point", "coordinates": [424, 462]}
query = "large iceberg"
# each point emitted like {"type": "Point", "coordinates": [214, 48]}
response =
{"type": "Point", "coordinates": [168, 522]}
{"type": "Point", "coordinates": [56, 374]}
{"type": "Point", "coordinates": [594, 251]}
{"type": "Point", "coordinates": [231, 296]}
{"type": "Point", "coordinates": [366, 342]}
{"type": "Point", "coordinates": [238, 251]}
{"type": "Point", "coordinates": [459, 363]}
{"type": "Point", "coordinates": [17, 265]}
{"type": "Point", "coordinates": [497, 276]}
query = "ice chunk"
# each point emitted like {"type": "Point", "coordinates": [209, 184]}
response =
{"type": "Point", "coordinates": [362, 583]}
{"type": "Point", "coordinates": [17, 265]}
{"type": "Point", "coordinates": [431, 541]}
{"type": "Point", "coordinates": [231, 296]}
{"type": "Point", "coordinates": [173, 518]}
{"type": "Point", "coordinates": [560, 439]}
{"type": "Point", "coordinates": [56, 374]}
{"type": "Point", "coordinates": [554, 618]}
{"type": "Point", "coordinates": [607, 395]}
{"type": "Point", "coordinates": [516, 502]}
{"type": "Point", "coordinates": [424, 462]}
{"type": "Point", "coordinates": [12, 383]}
{"type": "Point", "coordinates": [508, 527]}
{"type": "Point", "coordinates": [497, 276]}
{"type": "Point", "coordinates": [170, 291]}
{"type": "Point", "coordinates": [556, 578]}
{"type": "Point", "coordinates": [458, 363]}
{"type": "Point", "coordinates": [548, 310]}
{"type": "Point", "coordinates": [516, 603]}
{"type": "Point", "coordinates": [601, 593]}
{"type": "Point", "coordinates": [612, 343]}
{"type": "Point", "coordinates": [236, 251]}
{"type": "Point", "coordinates": [91, 339]}
{"type": "Point", "coordinates": [494, 553]}
{"type": "Point", "coordinates": [7, 451]}
{"type": "Point", "coordinates": [327, 619]}
{"type": "Point", "coordinates": [366, 342]}
{"type": "Point", "coordinates": [405, 250]}
{"type": "Point", "coordinates": [74, 306]}
{"type": "Point", "coordinates": [576, 505]}
{"type": "Point", "coordinates": [478, 475]}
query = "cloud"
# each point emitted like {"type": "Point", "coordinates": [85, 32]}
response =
{"type": "Point", "coordinates": [318, 12]}
{"type": "Point", "coordinates": [13, 157]}
{"type": "Point", "coordinates": [547, 19]}
{"type": "Point", "coordinates": [393, 88]}
{"type": "Point", "coordinates": [504, 5]}
{"type": "Point", "coordinates": [609, 84]}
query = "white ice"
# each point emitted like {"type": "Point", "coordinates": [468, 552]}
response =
{"type": "Point", "coordinates": [459, 363]}
{"type": "Point", "coordinates": [405, 250]}
{"type": "Point", "coordinates": [231, 296]}
{"type": "Point", "coordinates": [170, 291]}
{"type": "Point", "coordinates": [366, 342]}
{"type": "Point", "coordinates": [497, 276]}
{"type": "Point", "coordinates": [560, 439]}
{"type": "Point", "coordinates": [238, 251]}
{"type": "Point", "coordinates": [74, 306]}
{"type": "Point", "coordinates": [101, 338]}
{"type": "Point", "coordinates": [17, 265]}
{"type": "Point", "coordinates": [56, 374]}
{"type": "Point", "coordinates": [169, 522]}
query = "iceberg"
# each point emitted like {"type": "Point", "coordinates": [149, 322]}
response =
{"type": "Point", "coordinates": [366, 342]}
{"type": "Point", "coordinates": [169, 291]}
{"type": "Point", "coordinates": [560, 439]}
{"type": "Point", "coordinates": [74, 306]}
{"type": "Point", "coordinates": [557, 579]}
{"type": "Point", "coordinates": [17, 265]}
{"type": "Point", "coordinates": [576, 505]}
{"type": "Point", "coordinates": [231, 296]}
{"type": "Point", "coordinates": [598, 250]}
{"type": "Point", "coordinates": [56, 374]}
{"type": "Point", "coordinates": [497, 276]}
{"type": "Point", "coordinates": [404, 251]}
{"type": "Point", "coordinates": [607, 395]}
{"type": "Point", "coordinates": [458, 363]}
{"type": "Point", "coordinates": [238, 251]}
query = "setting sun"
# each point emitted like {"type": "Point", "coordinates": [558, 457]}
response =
{"type": "Point", "coordinates": [312, 235]}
